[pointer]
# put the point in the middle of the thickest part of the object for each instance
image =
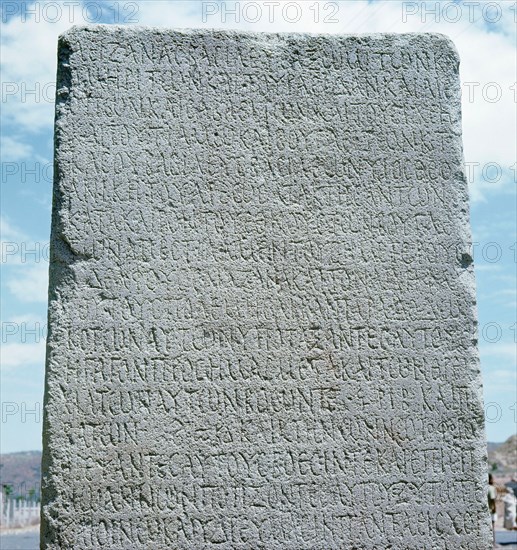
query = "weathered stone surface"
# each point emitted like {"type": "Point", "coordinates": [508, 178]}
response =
{"type": "Point", "coordinates": [262, 307]}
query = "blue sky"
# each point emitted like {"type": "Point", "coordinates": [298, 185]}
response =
{"type": "Point", "coordinates": [485, 35]}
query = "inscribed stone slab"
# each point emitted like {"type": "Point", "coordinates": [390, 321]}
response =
{"type": "Point", "coordinates": [262, 324]}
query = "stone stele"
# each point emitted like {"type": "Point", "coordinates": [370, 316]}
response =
{"type": "Point", "coordinates": [262, 325]}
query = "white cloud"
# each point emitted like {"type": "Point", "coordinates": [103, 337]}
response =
{"type": "Point", "coordinates": [14, 150]}
{"type": "Point", "coordinates": [500, 383]}
{"type": "Point", "coordinates": [500, 301]}
{"type": "Point", "coordinates": [23, 330]}
{"type": "Point", "coordinates": [487, 267]}
{"type": "Point", "coordinates": [9, 232]}
{"type": "Point", "coordinates": [501, 225]}
{"type": "Point", "coordinates": [29, 52]}
{"type": "Point", "coordinates": [508, 375]}
{"type": "Point", "coordinates": [173, 14]}
{"type": "Point", "coordinates": [506, 278]}
{"type": "Point", "coordinates": [16, 355]}
{"type": "Point", "coordinates": [506, 351]}
{"type": "Point", "coordinates": [30, 284]}
{"type": "Point", "coordinates": [505, 292]}
{"type": "Point", "coordinates": [27, 320]}
{"type": "Point", "coordinates": [42, 200]}
{"type": "Point", "coordinates": [17, 249]}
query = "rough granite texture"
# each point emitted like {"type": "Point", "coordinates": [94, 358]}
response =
{"type": "Point", "coordinates": [262, 326]}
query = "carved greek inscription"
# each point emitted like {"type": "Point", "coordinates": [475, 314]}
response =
{"type": "Point", "coordinates": [261, 318]}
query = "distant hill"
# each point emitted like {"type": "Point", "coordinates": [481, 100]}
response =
{"type": "Point", "coordinates": [493, 446]}
{"type": "Point", "coordinates": [502, 457]}
{"type": "Point", "coordinates": [22, 473]}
